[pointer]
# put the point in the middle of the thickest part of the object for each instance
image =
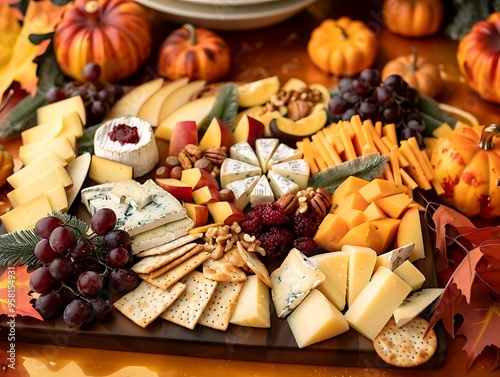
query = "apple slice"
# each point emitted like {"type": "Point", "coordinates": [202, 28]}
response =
{"type": "Point", "coordinates": [150, 110]}
{"type": "Point", "coordinates": [206, 194]}
{"type": "Point", "coordinates": [179, 97]}
{"type": "Point", "coordinates": [258, 92]}
{"type": "Point", "coordinates": [197, 178]}
{"type": "Point", "coordinates": [196, 111]}
{"type": "Point", "coordinates": [132, 101]}
{"type": "Point", "coordinates": [197, 213]}
{"type": "Point", "coordinates": [248, 129]}
{"type": "Point", "coordinates": [218, 134]}
{"type": "Point", "coordinates": [409, 231]}
{"type": "Point", "coordinates": [178, 189]}
{"type": "Point", "coordinates": [225, 212]}
{"type": "Point", "coordinates": [184, 133]}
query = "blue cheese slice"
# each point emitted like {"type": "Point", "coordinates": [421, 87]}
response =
{"type": "Point", "coordinates": [243, 151]}
{"type": "Point", "coordinates": [264, 149]}
{"type": "Point", "coordinates": [293, 281]}
{"type": "Point", "coordinates": [414, 304]}
{"type": "Point", "coordinates": [242, 190]}
{"type": "Point", "coordinates": [281, 185]}
{"type": "Point", "coordinates": [295, 170]}
{"type": "Point", "coordinates": [233, 170]}
{"type": "Point", "coordinates": [131, 192]}
{"type": "Point", "coordinates": [261, 193]}
{"type": "Point", "coordinates": [282, 154]}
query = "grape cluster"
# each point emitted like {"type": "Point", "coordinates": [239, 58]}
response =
{"type": "Point", "coordinates": [97, 96]}
{"type": "Point", "coordinates": [390, 101]}
{"type": "Point", "coordinates": [81, 272]}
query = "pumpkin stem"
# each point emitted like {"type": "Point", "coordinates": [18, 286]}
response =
{"type": "Point", "coordinates": [343, 33]}
{"type": "Point", "coordinates": [92, 8]}
{"type": "Point", "coordinates": [192, 33]}
{"type": "Point", "coordinates": [487, 135]}
{"type": "Point", "coordinates": [413, 67]}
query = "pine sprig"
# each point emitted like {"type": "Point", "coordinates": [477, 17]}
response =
{"type": "Point", "coordinates": [224, 108]}
{"type": "Point", "coordinates": [432, 115]}
{"type": "Point", "coordinates": [367, 167]}
{"type": "Point", "coordinates": [467, 13]}
{"type": "Point", "coordinates": [18, 247]}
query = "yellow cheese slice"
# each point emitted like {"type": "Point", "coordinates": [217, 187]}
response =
{"type": "Point", "coordinates": [26, 215]}
{"type": "Point", "coordinates": [63, 146]}
{"type": "Point", "coordinates": [360, 268]}
{"type": "Point", "coordinates": [44, 163]}
{"type": "Point", "coordinates": [103, 170]}
{"type": "Point", "coordinates": [45, 114]}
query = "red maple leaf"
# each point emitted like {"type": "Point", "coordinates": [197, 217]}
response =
{"type": "Point", "coordinates": [15, 292]}
{"type": "Point", "coordinates": [12, 365]}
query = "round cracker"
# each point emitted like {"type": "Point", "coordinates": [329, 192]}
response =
{"type": "Point", "coordinates": [406, 346]}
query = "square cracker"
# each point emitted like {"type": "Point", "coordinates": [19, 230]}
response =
{"type": "Point", "coordinates": [222, 270]}
{"type": "Point", "coordinates": [172, 276]}
{"type": "Point", "coordinates": [162, 249]}
{"type": "Point", "coordinates": [187, 309]}
{"type": "Point", "coordinates": [146, 302]}
{"type": "Point", "coordinates": [221, 306]}
{"type": "Point", "coordinates": [151, 263]}
{"type": "Point", "coordinates": [255, 264]}
{"type": "Point", "coordinates": [160, 271]}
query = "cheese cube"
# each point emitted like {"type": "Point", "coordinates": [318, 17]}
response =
{"type": "Point", "coordinates": [414, 304]}
{"type": "Point", "coordinates": [350, 185]}
{"type": "Point", "coordinates": [374, 212]}
{"type": "Point", "coordinates": [394, 205]}
{"type": "Point", "coordinates": [292, 282]}
{"type": "Point", "coordinates": [316, 319]}
{"type": "Point", "coordinates": [103, 170]}
{"type": "Point", "coordinates": [375, 304]}
{"type": "Point", "coordinates": [360, 268]}
{"type": "Point", "coordinates": [411, 275]}
{"type": "Point", "coordinates": [353, 200]}
{"type": "Point", "coordinates": [26, 215]}
{"type": "Point", "coordinates": [252, 306]}
{"type": "Point", "coordinates": [353, 217]}
{"type": "Point", "coordinates": [44, 163]}
{"type": "Point", "coordinates": [334, 265]}
{"type": "Point", "coordinates": [330, 232]}
{"type": "Point", "coordinates": [379, 188]}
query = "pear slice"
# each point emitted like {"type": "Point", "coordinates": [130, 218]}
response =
{"type": "Point", "coordinates": [179, 97]}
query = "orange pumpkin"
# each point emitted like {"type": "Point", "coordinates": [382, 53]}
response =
{"type": "Point", "coordinates": [6, 165]}
{"type": "Point", "coordinates": [478, 58]}
{"type": "Point", "coordinates": [467, 164]}
{"type": "Point", "coordinates": [195, 53]}
{"type": "Point", "coordinates": [413, 18]}
{"type": "Point", "coordinates": [417, 71]}
{"type": "Point", "coordinates": [113, 33]}
{"type": "Point", "coordinates": [342, 47]}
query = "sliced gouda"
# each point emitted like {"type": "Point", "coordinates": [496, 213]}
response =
{"type": "Point", "coordinates": [46, 114]}
{"type": "Point", "coordinates": [26, 215]}
{"type": "Point", "coordinates": [360, 268]}
{"type": "Point", "coordinates": [58, 199]}
{"type": "Point", "coordinates": [44, 163]}
{"type": "Point", "coordinates": [63, 146]}
{"type": "Point", "coordinates": [103, 170]}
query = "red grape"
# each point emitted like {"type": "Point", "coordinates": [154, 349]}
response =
{"type": "Point", "coordinates": [41, 280]}
{"type": "Point", "coordinates": [103, 221]}
{"type": "Point", "coordinates": [101, 308]}
{"type": "Point", "coordinates": [61, 239]}
{"type": "Point", "coordinates": [89, 283]}
{"type": "Point", "coordinates": [123, 280]}
{"type": "Point", "coordinates": [45, 226]}
{"type": "Point", "coordinates": [44, 252]}
{"type": "Point", "coordinates": [55, 94]}
{"type": "Point", "coordinates": [118, 257]}
{"type": "Point", "coordinates": [61, 267]}
{"type": "Point", "coordinates": [49, 304]}
{"type": "Point", "coordinates": [81, 249]}
{"type": "Point", "coordinates": [384, 95]}
{"type": "Point", "coordinates": [116, 238]}
{"type": "Point", "coordinates": [371, 77]}
{"type": "Point", "coordinates": [91, 72]}
{"type": "Point", "coordinates": [76, 314]}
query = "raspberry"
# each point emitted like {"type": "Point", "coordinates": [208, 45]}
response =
{"type": "Point", "coordinates": [273, 214]}
{"type": "Point", "coordinates": [253, 223]}
{"type": "Point", "coordinates": [304, 225]}
{"type": "Point", "coordinates": [306, 245]}
{"type": "Point", "coordinates": [277, 241]}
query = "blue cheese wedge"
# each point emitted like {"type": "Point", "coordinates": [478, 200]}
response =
{"type": "Point", "coordinates": [295, 170]}
{"type": "Point", "coordinates": [242, 190]}
{"type": "Point", "coordinates": [282, 154]}
{"type": "Point", "coordinates": [261, 193]}
{"type": "Point", "coordinates": [293, 281]}
{"type": "Point", "coordinates": [414, 304]}
{"type": "Point", "coordinates": [264, 149]}
{"type": "Point", "coordinates": [131, 192]}
{"type": "Point", "coordinates": [281, 185]}
{"type": "Point", "coordinates": [394, 258]}
{"type": "Point", "coordinates": [243, 151]}
{"type": "Point", "coordinates": [233, 170]}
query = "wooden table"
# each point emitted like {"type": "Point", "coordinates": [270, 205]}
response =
{"type": "Point", "coordinates": [280, 50]}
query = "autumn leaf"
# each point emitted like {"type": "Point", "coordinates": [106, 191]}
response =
{"type": "Point", "coordinates": [19, 296]}
{"type": "Point", "coordinates": [10, 369]}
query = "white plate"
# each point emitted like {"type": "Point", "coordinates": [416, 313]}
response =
{"type": "Point", "coordinates": [228, 17]}
{"type": "Point", "coordinates": [233, 3]}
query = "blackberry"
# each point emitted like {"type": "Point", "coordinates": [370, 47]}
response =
{"type": "Point", "coordinates": [306, 245]}
{"type": "Point", "coordinates": [273, 214]}
{"type": "Point", "coordinates": [277, 242]}
{"type": "Point", "coordinates": [253, 223]}
{"type": "Point", "coordinates": [305, 224]}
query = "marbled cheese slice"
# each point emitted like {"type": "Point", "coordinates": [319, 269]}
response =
{"type": "Point", "coordinates": [281, 185]}
{"type": "Point", "coordinates": [261, 193]}
{"type": "Point", "coordinates": [233, 170]}
{"type": "Point", "coordinates": [264, 149]}
{"type": "Point", "coordinates": [242, 190]}
{"type": "Point", "coordinates": [243, 151]}
{"type": "Point", "coordinates": [282, 154]}
{"type": "Point", "coordinates": [295, 170]}
{"type": "Point", "coordinates": [142, 156]}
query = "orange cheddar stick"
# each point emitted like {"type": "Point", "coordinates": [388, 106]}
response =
{"type": "Point", "coordinates": [367, 134]}
{"type": "Point", "coordinates": [438, 187]}
{"type": "Point", "coordinates": [394, 161]}
{"type": "Point", "coordinates": [379, 144]}
{"type": "Point", "coordinates": [415, 168]}
{"type": "Point", "coordinates": [389, 130]}
{"type": "Point", "coordinates": [317, 156]}
{"type": "Point", "coordinates": [330, 150]}
{"type": "Point", "coordinates": [378, 128]}
{"type": "Point", "coordinates": [320, 147]}
{"type": "Point", "coordinates": [307, 157]}
{"type": "Point", "coordinates": [359, 138]}
{"type": "Point", "coordinates": [412, 142]}
{"type": "Point", "coordinates": [349, 151]}
{"type": "Point", "coordinates": [407, 180]}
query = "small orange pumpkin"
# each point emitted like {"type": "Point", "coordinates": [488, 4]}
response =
{"type": "Point", "coordinates": [342, 47]}
{"type": "Point", "coordinates": [6, 165]}
{"type": "Point", "coordinates": [467, 164]}
{"type": "Point", "coordinates": [195, 53]}
{"type": "Point", "coordinates": [417, 71]}
{"type": "Point", "coordinates": [413, 18]}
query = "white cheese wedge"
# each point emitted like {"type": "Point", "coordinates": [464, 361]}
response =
{"type": "Point", "coordinates": [243, 151]}
{"type": "Point", "coordinates": [316, 319]}
{"type": "Point", "coordinates": [233, 170]}
{"type": "Point", "coordinates": [130, 192]}
{"type": "Point", "coordinates": [242, 190]}
{"type": "Point", "coordinates": [27, 214]}
{"type": "Point", "coordinates": [282, 154]}
{"type": "Point", "coordinates": [334, 266]}
{"type": "Point", "coordinates": [414, 304]}
{"type": "Point", "coordinates": [375, 304]}
{"type": "Point", "coordinates": [261, 193]}
{"type": "Point", "coordinates": [360, 269]}
{"type": "Point", "coordinates": [296, 170]}
{"type": "Point", "coordinates": [264, 149]}
{"type": "Point", "coordinates": [394, 258]}
{"type": "Point", "coordinates": [293, 281]}
{"type": "Point", "coordinates": [411, 275]}
{"type": "Point", "coordinates": [142, 156]}
{"type": "Point", "coordinates": [281, 185]}
{"type": "Point", "coordinates": [252, 306]}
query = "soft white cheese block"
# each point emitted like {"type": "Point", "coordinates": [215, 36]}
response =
{"type": "Point", "coordinates": [360, 269]}
{"type": "Point", "coordinates": [242, 189]}
{"type": "Point", "coordinates": [131, 192]}
{"type": "Point", "coordinates": [411, 275]}
{"type": "Point", "coordinates": [261, 193]}
{"type": "Point", "coordinates": [375, 304]}
{"type": "Point", "coordinates": [414, 304]}
{"type": "Point", "coordinates": [142, 156]}
{"type": "Point", "coordinates": [282, 154]}
{"type": "Point", "coordinates": [264, 149]}
{"type": "Point", "coordinates": [243, 151]}
{"type": "Point", "coordinates": [293, 281]}
{"type": "Point", "coordinates": [316, 319]}
{"type": "Point", "coordinates": [296, 170]}
{"type": "Point", "coordinates": [233, 170]}
{"type": "Point", "coordinates": [281, 185]}
{"type": "Point", "coordinates": [252, 306]}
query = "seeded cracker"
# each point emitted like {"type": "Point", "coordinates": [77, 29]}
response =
{"type": "Point", "coordinates": [162, 249]}
{"type": "Point", "coordinates": [148, 264]}
{"type": "Point", "coordinates": [255, 265]}
{"type": "Point", "coordinates": [221, 306]}
{"type": "Point", "coordinates": [222, 270]}
{"type": "Point", "coordinates": [406, 346]}
{"type": "Point", "coordinates": [146, 302]}
{"type": "Point", "coordinates": [178, 272]}
{"type": "Point", "coordinates": [187, 309]}
{"type": "Point", "coordinates": [160, 271]}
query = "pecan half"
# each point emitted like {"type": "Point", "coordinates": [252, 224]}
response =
{"type": "Point", "coordinates": [289, 203]}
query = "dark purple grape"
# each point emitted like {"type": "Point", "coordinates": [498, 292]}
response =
{"type": "Point", "coordinates": [101, 308]}
{"type": "Point", "coordinates": [76, 314]}
{"type": "Point", "coordinates": [69, 87]}
{"type": "Point", "coordinates": [82, 92]}
{"type": "Point", "coordinates": [123, 280]}
{"type": "Point", "coordinates": [90, 283]}
{"type": "Point", "coordinates": [41, 280]}
{"type": "Point", "coordinates": [44, 252]}
{"type": "Point", "coordinates": [61, 239]}
{"type": "Point", "coordinates": [116, 238]}
{"type": "Point", "coordinates": [360, 87]}
{"type": "Point", "coordinates": [368, 109]}
{"type": "Point", "coordinates": [416, 125]}
{"type": "Point", "coordinates": [384, 95]}
{"type": "Point", "coordinates": [407, 133]}
{"type": "Point", "coordinates": [81, 249]}
{"type": "Point", "coordinates": [89, 264]}
{"type": "Point", "coordinates": [392, 114]}
{"type": "Point", "coordinates": [337, 105]}
{"type": "Point", "coordinates": [49, 304]}
{"type": "Point", "coordinates": [344, 84]}
{"type": "Point", "coordinates": [91, 72]}
{"type": "Point", "coordinates": [103, 221]}
{"type": "Point", "coordinates": [99, 110]}
{"type": "Point", "coordinates": [118, 257]}
{"type": "Point", "coordinates": [45, 226]}
{"type": "Point", "coordinates": [67, 294]}
{"type": "Point", "coordinates": [348, 114]}
{"type": "Point", "coordinates": [371, 77]}
{"type": "Point", "coordinates": [106, 96]}
{"type": "Point", "coordinates": [397, 83]}
{"type": "Point", "coordinates": [55, 94]}
{"type": "Point", "coordinates": [61, 267]}
{"type": "Point", "coordinates": [413, 97]}
{"type": "Point", "coordinates": [350, 97]}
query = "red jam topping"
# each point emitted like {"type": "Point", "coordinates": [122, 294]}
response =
{"type": "Point", "coordinates": [124, 134]}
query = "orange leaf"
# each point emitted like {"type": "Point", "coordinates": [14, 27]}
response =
{"type": "Point", "coordinates": [12, 367]}
{"type": "Point", "coordinates": [15, 294]}
{"type": "Point", "coordinates": [465, 273]}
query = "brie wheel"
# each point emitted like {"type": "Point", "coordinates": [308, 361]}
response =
{"type": "Point", "coordinates": [142, 156]}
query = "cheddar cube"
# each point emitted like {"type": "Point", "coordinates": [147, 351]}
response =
{"type": "Point", "coordinates": [394, 205]}
{"type": "Point", "coordinates": [350, 185]}
{"type": "Point", "coordinates": [379, 188]}
{"type": "Point", "coordinates": [330, 232]}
